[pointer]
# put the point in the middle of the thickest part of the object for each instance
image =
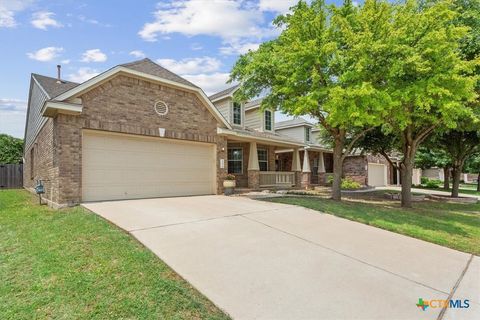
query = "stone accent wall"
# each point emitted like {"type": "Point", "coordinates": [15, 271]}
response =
{"type": "Point", "coordinates": [126, 105]}
{"type": "Point", "coordinates": [354, 167]}
{"type": "Point", "coordinates": [44, 165]}
{"type": "Point", "coordinates": [306, 180]}
{"type": "Point", "coordinates": [253, 179]}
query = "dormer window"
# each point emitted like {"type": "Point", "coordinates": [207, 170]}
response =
{"type": "Point", "coordinates": [237, 113]}
{"type": "Point", "coordinates": [308, 132]}
{"type": "Point", "coordinates": [268, 120]}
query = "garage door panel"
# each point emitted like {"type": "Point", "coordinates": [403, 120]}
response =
{"type": "Point", "coordinates": [377, 174]}
{"type": "Point", "coordinates": [126, 167]}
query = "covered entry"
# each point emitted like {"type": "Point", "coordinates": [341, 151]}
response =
{"type": "Point", "coordinates": [120, 166]}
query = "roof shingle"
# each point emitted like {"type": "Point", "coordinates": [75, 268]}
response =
{"type": "Point", "coordinates": [52, 86]}
{"type": "Point", "coordinates": [148, 66]}
{"type": "Point", "coordinates": [222, 93]}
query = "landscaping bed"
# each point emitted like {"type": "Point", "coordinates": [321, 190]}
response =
{"type": "Point", "coordinates": [71, 264]}
{"type": "Point", "coordinates": [453, 225]}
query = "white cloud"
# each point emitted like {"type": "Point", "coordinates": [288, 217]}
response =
{"type": "Point", "coordinates": [226, 19]}
{"type": "Point", "coordinates": [44, 19]}
{"type": "Point", "coordinates": [191, 65]}
{"type": "Point", "coordinates": [238, 47]}
{"type": "Point", "coordinates": [280, 6]}
{"type": "Point", "coordinates": [45, 54]}
{"type": "Point", "coordinates": [7, 19]}
{"type": "Point", "coordinates": [12, 116]}
{"type": "Point", "coordinates": [94, 55]}
{"type": "Point", "coordinates": [137, 54]}
{"type": "Point", "coordinates": [82, 74]}
{"type": "Point", "coordinates": [65, 61]}
{"type": "Point", "coordinates": [210, 83]}
{"type": "Point", "coordinates": [8, 8]}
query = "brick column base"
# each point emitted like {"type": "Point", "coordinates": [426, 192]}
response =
{"type": "Point", "coordinates": [254, 179]}
{"type": "Point", "coordinates": [322, 178]}
{"type": "Point", "coordinates": [306, 179]}
{"type": "Point", "coordinates": [298, 179]}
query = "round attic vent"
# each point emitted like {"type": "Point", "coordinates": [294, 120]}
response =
{"type": "Point", "coordinates": [161, 108]}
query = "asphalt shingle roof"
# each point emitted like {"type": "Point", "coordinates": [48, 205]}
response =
{"type": "Point", "coordinates": [52, 87]}
{"type": "Point", "coordinates": [223, 92]}
{"type": "Point", "coordinates": [294, 122]}
{"type": "Point", "coordinates": [148, 66]}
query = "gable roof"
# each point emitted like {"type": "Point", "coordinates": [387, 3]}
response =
{"type": "Point", "coordinates": [149, 67]}
{"type": "Point", "coordinates": [253, 104]}
{"type": "Point", "coordinates": [224, 93]}
{"type": "Point", "coordinates": [296, 122]}
{"type": "Point", "coordinates": [51, 85]}
{"type": "Point", "coordinates": [144, 69]}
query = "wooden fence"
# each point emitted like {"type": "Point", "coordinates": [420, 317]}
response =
{"type": "Point", "coordinates": [11, 176]}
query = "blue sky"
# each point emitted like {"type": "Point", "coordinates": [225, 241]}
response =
{"type": "Point", "coordinates": [198, 39]}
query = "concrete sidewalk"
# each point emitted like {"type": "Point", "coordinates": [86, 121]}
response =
{"type": "Point", "coordinates": [260, 260]}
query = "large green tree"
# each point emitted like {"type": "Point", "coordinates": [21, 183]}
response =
{"type": "Point", "coordinates": [429, 80]}
{"type": "Point", "coordinates": [459, 146]}
{"type": "Point", "coordinates": [11, 149]}
{"type": "Point", "coordinates": [329, 63]}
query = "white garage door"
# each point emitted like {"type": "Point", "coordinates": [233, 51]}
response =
{"type": "Point", "coordinates": [119, 166]}
{"type": "Point", "coordinates": [377, 174]}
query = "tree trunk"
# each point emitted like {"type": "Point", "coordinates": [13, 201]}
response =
{"type": "Point", "coordinates": [337, 168]}
{"type": "Point", "coordinates": [456, 172]}
{"type": "Point", "coordinates": [406, 171]}
{"type": "Point", "coordinates": [446, 178]}
{"type": "Point", "coordinates": [478, 182]}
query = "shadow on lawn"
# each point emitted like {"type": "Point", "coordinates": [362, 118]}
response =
{"type": "Point", "coordinates": [454, 219]}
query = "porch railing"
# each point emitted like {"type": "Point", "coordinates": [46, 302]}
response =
{"type": "Point", "coordinates": [277, 179]}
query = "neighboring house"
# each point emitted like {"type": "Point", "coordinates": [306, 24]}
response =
{"type": "Point", "coordinates": [138, 130]}
{"type": "Point", "coordinates": [365, 169]}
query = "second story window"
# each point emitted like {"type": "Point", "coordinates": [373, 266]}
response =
{"type": "Point", "coordinates": [237, 113]}
{"type": "Point", "coordinates": [307, 134]}
{"type": "Point", "coordinates": [268, 120]}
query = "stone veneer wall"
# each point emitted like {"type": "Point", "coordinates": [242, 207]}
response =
{"type": "Point", "coordinates": [126, 105]}
{"type": "Point", "coordinates": [354, 167]}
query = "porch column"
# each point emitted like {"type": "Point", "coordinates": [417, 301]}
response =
{"type": "Point", "coordinates": [321, 170]}
{"type": "Point", "coordinates": [306, 172]}
{"type": "Point", "coordinates": [296, 167]}
{"type": "Point", "coordinates": [398, 174]}
{"type": "Point", "coordinates": [253, 167]}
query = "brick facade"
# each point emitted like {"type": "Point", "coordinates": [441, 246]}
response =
{"type": "Point", "coordinates": [355, 168]}
{"type": "Point", "coordinates": [124, 105]}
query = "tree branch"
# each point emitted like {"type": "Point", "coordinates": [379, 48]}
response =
{"type": "Point", "coordinates": [354, 140]}
{"type": "Point", "coordinates": [387, 157]}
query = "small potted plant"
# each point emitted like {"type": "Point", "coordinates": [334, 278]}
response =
{"type": "Point", "coordinates": [229, 184]}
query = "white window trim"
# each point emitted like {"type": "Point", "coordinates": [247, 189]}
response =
{"type": "Point", "coordinates": [266, 152]}
{"type": "Point", "coordinates": [241, 148]}
{"type": "Point", "coordinates": [242, 115]}
{"type": "Point", "coordinates": [272, 119]}
{"type": "Point", "coordinates": [309, 130]}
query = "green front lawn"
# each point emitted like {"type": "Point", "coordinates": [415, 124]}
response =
{"type": "Point", "coordinates": [72, 264]}
{"type": "Point", "coordinates": [465, 188]}
{"type": "Point", "coordinates": [451, 225]}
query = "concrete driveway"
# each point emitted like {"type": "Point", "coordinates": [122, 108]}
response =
{"type": "Point", "coordinates": [259, 260]}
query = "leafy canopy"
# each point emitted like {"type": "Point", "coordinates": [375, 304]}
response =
{"type": "Point", "coordinates": [328, 63]}
{"type": "Point", "coordinates": [11, 149]}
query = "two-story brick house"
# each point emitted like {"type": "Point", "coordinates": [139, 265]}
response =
{"type": "Point", "coordinates": [138, 130]}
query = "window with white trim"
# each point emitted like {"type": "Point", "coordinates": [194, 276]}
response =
{"type": "Point", "coordinates": [308, 132]}
{"type": "Point", "coordinates": [268, 120]}
{"type": "Point", "coordinates": [237, 113]}
{"type": "Point", "coordinates": [262, 159]}
{"type": "Point", "coordinates": [235, 160]}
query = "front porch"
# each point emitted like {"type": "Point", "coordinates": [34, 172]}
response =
{"type": "Point", "coordinates": [264, 160]}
